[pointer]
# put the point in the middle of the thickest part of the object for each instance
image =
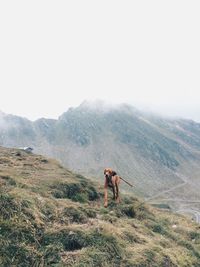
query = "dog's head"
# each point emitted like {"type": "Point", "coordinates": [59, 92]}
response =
{"type": "Point", "coordinates": [109, 172]}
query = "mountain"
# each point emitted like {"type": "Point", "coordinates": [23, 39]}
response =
{"type": "Point", "coordinates": [160, 156]}
{"type": "Point", "coordinates": [50, 216]}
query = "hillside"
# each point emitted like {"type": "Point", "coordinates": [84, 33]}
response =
{"type": "Point", "coordinates": [160, 156]}
{"type": "Point", "coordinates": [50, 216]}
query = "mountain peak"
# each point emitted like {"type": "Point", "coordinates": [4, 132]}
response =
{"type": "Point", "coordinates": [105, 106]}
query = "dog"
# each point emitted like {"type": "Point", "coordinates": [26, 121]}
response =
{"type": "Point", "coordinates": [112, 180]}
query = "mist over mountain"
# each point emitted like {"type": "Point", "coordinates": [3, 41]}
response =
{"type": "Point", "coordinates": [161, 156]}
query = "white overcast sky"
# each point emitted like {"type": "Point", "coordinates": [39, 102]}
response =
{"type": "Point", "coordinates": [55, 54]}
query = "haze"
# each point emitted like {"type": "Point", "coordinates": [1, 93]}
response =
{"type": "Point", "coordinates": [56, 54]}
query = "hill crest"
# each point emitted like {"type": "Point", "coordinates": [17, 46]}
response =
{"type": "Point", "coordinates": [154, 153]}
{"type": "Point", "coordinates": [51, 216]}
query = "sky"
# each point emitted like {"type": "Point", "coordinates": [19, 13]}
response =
{"type": "Point", "coordinates": [56, 54]}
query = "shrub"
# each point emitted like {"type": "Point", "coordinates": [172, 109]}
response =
{"type": "Point", "coordinates": [157, 228]}
{"type": "Point", "coordinates": [70, 240]}
{"type": "Point", "coordinates": [9, 206]}
{"type": "Point", "coordinates": [75, 215]}
{"type": "Point", "coordinates": [9, 180]}
{"type": "Point", "coordinates": [126, 210]}
{"type": "Point", "coordinates": [194, 236]}
{"type": "Point", "coordinates": [131, 237]}
{"type": "Point", "coordinates": [78, 192]}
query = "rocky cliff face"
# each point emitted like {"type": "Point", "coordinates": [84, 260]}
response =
{"type": "Point", "coordinates": [156, 154]}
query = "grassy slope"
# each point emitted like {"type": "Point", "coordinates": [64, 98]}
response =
{"type": "Point", "coordinates": [52, 217]}
{"type": "Point", "coordinates": [119, 139]}
{"type": "Point", "coordinates": [148, 150]}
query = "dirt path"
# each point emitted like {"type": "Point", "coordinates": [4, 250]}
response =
{"type": "Point", "coordinates": [165, 191]}
{"type": "Point", "coordinates": [195, 213]}
{"type": "Point", "coordinates": [180, 200]}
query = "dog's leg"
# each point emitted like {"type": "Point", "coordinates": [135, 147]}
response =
{"type": "Point", "coordinates": [117, 193]}
{"type": "Point", "coordinates": [106, 194]}
{"type": "Point", "coordinates": [114, 193]}
{"type": "Point", "coordinates": [113, 187]}
{"type": "Point", "coordinates": [117, 190]}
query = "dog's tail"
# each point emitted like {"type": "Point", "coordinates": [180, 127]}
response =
{"type": "Point", "coordinates": [126, 181]}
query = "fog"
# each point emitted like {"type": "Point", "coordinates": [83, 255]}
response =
{"type": "Point", "coordinates": [54, 55]}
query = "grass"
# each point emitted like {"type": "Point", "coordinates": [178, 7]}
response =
{"type": "Point", "coordinates": [52, 217]}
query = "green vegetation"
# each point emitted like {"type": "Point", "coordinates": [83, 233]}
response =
{"type": "Point", "coordinates": [156, 154]}
{"type": "Point", "coordinates": [52, 217]}
{"type": "Point", "coordinates": [81, 192]}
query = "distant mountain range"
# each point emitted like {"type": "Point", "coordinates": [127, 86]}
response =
{"type": "Point", "coordinates": [160, 156]}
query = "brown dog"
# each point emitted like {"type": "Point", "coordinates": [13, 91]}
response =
{"type": "Point", "coordinates": [112, 180]}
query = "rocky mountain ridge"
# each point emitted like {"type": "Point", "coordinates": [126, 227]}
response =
{"type": "Point", "coordinates": [155, 153]}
